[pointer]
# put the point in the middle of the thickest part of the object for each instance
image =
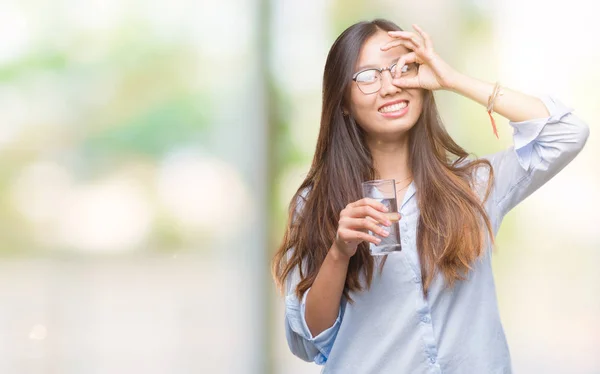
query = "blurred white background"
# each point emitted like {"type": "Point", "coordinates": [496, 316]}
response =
{"type": "Point", "coordinates": [148, 151]}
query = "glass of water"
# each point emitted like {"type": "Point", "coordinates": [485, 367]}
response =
{"type": "Point", "coordinates": [384, 191]}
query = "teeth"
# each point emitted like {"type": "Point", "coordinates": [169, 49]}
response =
{"type": "Point", "coordinates": [394, 107]}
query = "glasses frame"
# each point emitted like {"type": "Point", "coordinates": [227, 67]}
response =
{"type": "Point", "coordinates": [380, 71]}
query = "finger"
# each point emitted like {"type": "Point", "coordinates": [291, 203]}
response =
{"type": "Point", "coordinates": [368, 201]}
{"type": "Point", "coordinates": [392, 44]}
{"type": "Point", "coordinates": [391, 216]}
{"type": "Point", "coordinates": [412, 82]}
{"type": "Point", "coordinates": [406, 35]}
{"type": "Point", "coordinates": [408, 44]}
{"type": "Point", "coordinates": [408, 58]}
{"type": "Point", "coordinates": [400, 33]}
{"type": "Point", "coordinates": [364, 223]}
{"type": "Point", "coordinates": [426, 38]}
{"type": "Point", "coordinates": [369, 211]}
{"type": "Point", "coordinates": [348, 235]}
{"type": "Point", "coordinates": [399, 42]}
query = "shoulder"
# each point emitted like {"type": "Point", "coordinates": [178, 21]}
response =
{"type": "Point", "coordinates": [304, 192]}
{"type": "Point", "coordinates": [301, 197]}
{"type": "Point", "coordinates": [480, 173]}
{"type": "Point", "coordinates": [481, 167]}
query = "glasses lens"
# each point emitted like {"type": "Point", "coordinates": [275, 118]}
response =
{"type": "Point", "coordinates": [409, 70]}
{"type": "Point", "coordinates": [369, 81]}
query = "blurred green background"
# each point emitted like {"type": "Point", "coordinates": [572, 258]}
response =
{"type": "Point", "coordinates": [148, 151]}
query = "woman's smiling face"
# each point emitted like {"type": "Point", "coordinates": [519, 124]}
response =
{"type": "Point", "coordinates": [392, 110]}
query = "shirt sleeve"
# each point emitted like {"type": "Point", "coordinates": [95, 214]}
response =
{"type": "Point", "coordinates": [300, 340]}
{"type": "Point", "coordinates": [542, 147]}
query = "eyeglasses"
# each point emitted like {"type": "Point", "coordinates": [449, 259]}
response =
{"type": "Point", "coordinates": [369, 80]}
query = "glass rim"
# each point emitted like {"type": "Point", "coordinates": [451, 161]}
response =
{"type": "Point", "coordinates": [377, 181]}
{"type": "Point", "coordinates": [379, 71]}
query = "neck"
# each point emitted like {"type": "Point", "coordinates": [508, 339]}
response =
{"type": "Point", "coordinates": [390, 159]}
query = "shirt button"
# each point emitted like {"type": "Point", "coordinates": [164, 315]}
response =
{"type": "Point", "coordinates": [432, 360]}
{"type": "Point", "coordinates": [425, 319]}
{"type": "Point", "coordinates": [417, 279]}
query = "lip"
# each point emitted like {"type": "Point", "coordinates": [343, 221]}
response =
{"type": "Point", "coordinates": [395, 114]}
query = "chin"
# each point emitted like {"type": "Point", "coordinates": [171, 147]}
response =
{"type": "Point", "coordinates": [400, 124]}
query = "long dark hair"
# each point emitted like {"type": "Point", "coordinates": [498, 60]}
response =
{"type": "Point", "coordinates": [453, 222]}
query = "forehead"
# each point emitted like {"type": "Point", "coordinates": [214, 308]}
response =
{"type": "Point", "coordinates": [371, 54]}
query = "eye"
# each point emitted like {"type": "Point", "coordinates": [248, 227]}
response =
{"type": "Point", "coordinates": [367, 76]}
{"type": "Point", "coordinates": [403, 69]}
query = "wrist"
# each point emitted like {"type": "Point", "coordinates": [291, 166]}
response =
{"type": "Point", "coordinates": [453, 83]}
{"type": "Point", "coordinates": [338, 255]}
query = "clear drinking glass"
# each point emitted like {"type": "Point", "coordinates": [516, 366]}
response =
{"type": "Point", "coordinates": [384, 191]}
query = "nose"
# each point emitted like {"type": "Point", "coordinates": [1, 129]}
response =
{"type": "Point", "coordinates": [387, 88]}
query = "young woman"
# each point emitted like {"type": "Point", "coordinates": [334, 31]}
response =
{"type": "Point", "coordinates": [430, 308]}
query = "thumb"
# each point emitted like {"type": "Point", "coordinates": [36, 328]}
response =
{"type": "Point", "coordinates": [412, 82]}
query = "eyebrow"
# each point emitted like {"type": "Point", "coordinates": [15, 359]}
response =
{"type": "Point", "coordinates": [374, 66]}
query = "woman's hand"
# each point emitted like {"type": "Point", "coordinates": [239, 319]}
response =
{"type": "Point", "coordinates": [356, 219]}
{"type": "Point", "coordinates": [434, 73]}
